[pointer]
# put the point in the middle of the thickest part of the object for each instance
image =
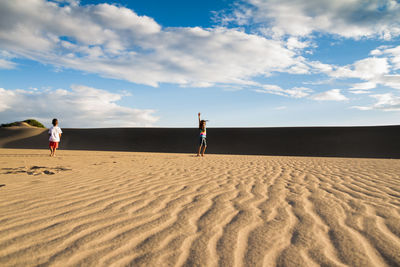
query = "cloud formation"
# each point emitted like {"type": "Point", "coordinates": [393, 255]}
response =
{"type": "Point", "coordinates": [6, 64]}
{"type": "Point", "coordinates": [115, 42]}
{"type": "Point", "coordinates": [81, 106]}
{"type": "Point", "coordinates": [385, 102]}
{"type": "Point", "coordinates": [300, 23]}
{"type": "Point", "coordinates": [350, 19]}
{"type": "Point", "coordinates": [295, 92]}
{"type": "Point", "coordinates": [381, 69]}
{"type": "Point", "coordinates": [330, 95]}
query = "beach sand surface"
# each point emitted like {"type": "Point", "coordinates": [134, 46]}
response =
{"type": "Point", "coordinates": [85, 208]}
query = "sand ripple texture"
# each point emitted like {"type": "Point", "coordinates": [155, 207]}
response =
{"type": "Point", "coordinates": [148, 209]}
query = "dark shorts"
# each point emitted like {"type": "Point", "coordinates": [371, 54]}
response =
{"type": "Point", "coordinates": [202, 141]}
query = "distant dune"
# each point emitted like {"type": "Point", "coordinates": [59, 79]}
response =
{"type": "Point", "coordinates": [22, 136]}
{"type": "Point", "coordinates": [375, 142]}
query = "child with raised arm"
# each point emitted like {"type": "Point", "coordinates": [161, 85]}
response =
{"type": "Point", "coordinates": [202, 137]}
{"type": "Point", "coordinates": [55, 136]}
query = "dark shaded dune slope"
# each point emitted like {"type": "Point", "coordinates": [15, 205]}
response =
{"type": "Point", "coordinates": [376, 142]}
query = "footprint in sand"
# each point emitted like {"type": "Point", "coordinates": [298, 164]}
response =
{"type": "Point", "coordinates": [37, 167]}
{"type": "Point", "coordinates": [35, 170]}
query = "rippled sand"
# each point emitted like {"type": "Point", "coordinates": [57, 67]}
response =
{"type": "Point", "coordinates": [145, 209]}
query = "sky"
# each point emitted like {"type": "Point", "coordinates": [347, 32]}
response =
{"type": "Point", "coordinates": [156, 63]}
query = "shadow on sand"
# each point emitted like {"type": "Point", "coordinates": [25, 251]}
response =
{"type": "Point", "coordinates": [364, 142]}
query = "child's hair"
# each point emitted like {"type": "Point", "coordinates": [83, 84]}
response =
{"type": "Point", "coordinates": [54, 121]}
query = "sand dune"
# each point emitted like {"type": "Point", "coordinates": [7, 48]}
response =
{"type": "Point", "coordinates": [22, 135]}
{"type": "Point", "coordinates": [365, 142]}
{"type": "Point", "coordinates": [147, 209]}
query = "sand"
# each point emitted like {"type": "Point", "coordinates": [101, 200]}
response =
{"type": "Point", "coordinates": [19, 135]}
{"type": "Point", "coordinates": [86, 208]}
{"type": "Point", "coordinates": [354, 142]}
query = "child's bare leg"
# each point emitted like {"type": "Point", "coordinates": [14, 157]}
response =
{"type": "Point", "coordinates": [198, 152]}
{"type": "Point", "coordinates": [51, 152]}
{"type": "Point", "coordinates": [204, 150]}
{"type": "Point", "coordinates": [54, 152]}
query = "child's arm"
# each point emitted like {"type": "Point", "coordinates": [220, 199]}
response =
{"type": "Point", "coordinates": [199, 119]}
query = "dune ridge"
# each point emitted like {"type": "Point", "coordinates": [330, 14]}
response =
{"type": "Point", "coordinates": [17, 133]}
{"type": "Point", "coordinates": [365, 142]}
{"type": "Point", "coordinates": [148, 209]}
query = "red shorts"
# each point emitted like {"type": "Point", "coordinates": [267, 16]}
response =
{"type": "Point", "coordinates": [53, 144]}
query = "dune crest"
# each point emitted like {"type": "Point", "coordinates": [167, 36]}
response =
{"type": "Point", "coordinates": [356, 142]}
{"type": "Point", "coordinates": [148, 209]}
{"type": "Point", "coordinates": [23, 133]}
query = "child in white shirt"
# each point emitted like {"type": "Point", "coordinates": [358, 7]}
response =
{"type": "Point", "coordinates": [55, 136]}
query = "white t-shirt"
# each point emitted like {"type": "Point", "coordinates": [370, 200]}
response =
{"type": "Point", "coordinates": [55, 132]}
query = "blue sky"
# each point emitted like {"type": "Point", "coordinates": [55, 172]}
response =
{"type": "Point", "coordinates": [257, 63]}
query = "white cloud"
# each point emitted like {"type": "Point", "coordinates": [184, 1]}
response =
{"type": "Point", "coordinates": [386, 102]}
{"type": "Point", "coordinates": [6, 64]}
{"type": "Point", "coordinates": [363, 86]}
{"type": "Point", "coordinates": [392, 81]}
{"type": "Point", "coordinates": [295, 92]}
{"type": "Point", "coordinates": [5, 60]}
{"type": "Point", "coordinates": [373, 71]}
{"type": "Point", "coordinates": [376, 52]}
{"type": "Point", "coordinates": [81, 106]}
{"type": "Point", "coordinates": [361, 107]}
{"type": "Point", "coordinates": [382, 70]}
{"type": "Point", "coordinates": [331, 95]}
{"type": "Point", "coordinates": [359, 92]}
{"type": "Point", "coordinates": [365, 69]}
{"type": "Point", "coordinates": [394, 56]}
{"type": "Point", "coordinates": [293, 43]}
{"type": "Point", "coordinates": [115, 42]}
{"type": "Point", "coordinates": [351, 19]}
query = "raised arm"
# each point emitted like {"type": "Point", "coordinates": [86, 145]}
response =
{"type": "Point", "coordinates": [199, 118]}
